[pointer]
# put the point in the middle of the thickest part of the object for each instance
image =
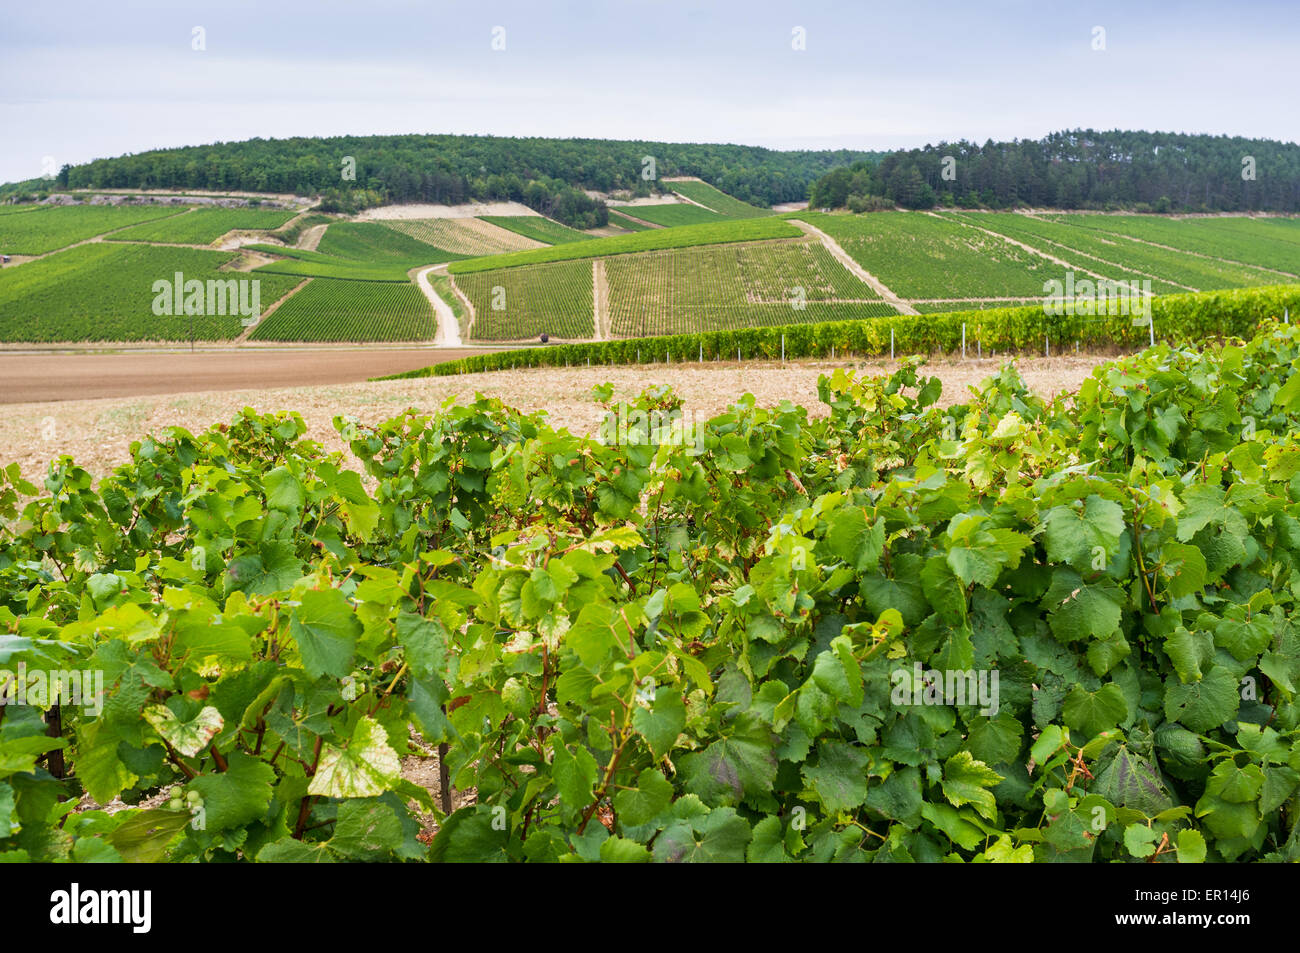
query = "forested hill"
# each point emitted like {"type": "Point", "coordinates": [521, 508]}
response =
{"type": "Point", "coordinates": [452, 169]}
{"type": "Point", "coordinates": [1079, 169]}
{"type": "Point", "coordinates": [1075, 169]}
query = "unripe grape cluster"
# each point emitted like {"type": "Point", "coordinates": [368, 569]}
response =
{"type": "Point", "coordinates": [180, 800]}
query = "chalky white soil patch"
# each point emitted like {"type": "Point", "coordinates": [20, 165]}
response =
{"type": "Point", "coordinates": [384, 213]}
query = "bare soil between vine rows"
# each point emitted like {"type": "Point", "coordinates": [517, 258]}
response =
{"type": "Point", "coordinates": [98, 432]}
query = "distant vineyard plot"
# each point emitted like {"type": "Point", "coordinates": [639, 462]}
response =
{"type": "Point", "coordinates": [712, 233]}
{"type": "Point", "coordinates": [688, 289]}
{"type": "Point", "coordinates": [309, 264]}
{"type": "Point", "coordinates": [372, 242]}
{"type": "Point", "coordinates": [1267, 242]}
{"type": "Point", "coordinates": [104, 292]}
{"type": "Point", "coordinates": [537, 228]}
{"type": "Point", "coordinates": [358, 251]}
{"type": "Point", "coordinates": [620, 220]}
{"type": "Point", "coordinates": [1274, 228]}
{"type": "Point", "coordinates": [732, 286]}
{"type": "Point", "coordinates": [674, 214]}
{"type": "Point", "coordinates": [202, 226]}
{"type": "Point", "coordinates": [1121, 258]}
{"type": "Point", "coordinates": [49, 229]}
{"type": "Point", "coordinates": [716, 199]}
{"type": "Point", "coordinates": [313, 265]}
{"type": "Point", "coordinates": [514, 304]}
{"type": "Point", "coordinates": [338, 310]}
{"type": "Point", "coordinates": [515, 277]}
{"type": "Point", "coordinates": [462, 236]}
{"type": "Point", "coordinates": [920, 256]}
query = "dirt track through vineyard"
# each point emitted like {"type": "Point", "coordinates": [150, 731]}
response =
{"type": "Point", "coordinates": [448, 335]}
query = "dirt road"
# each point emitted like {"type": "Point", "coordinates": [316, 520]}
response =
{"type": "Point", "coordinates": [448, 334]}
{"type": "Point", "coordinates": [26, 377]}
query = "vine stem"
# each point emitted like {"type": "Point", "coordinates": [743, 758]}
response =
{"type": "Point", "coordinates": [379, 701]}
{"type": "Point", "coordinates": [304, 807]}
{"type": "Point", "coordinates": [54, 728]}
{"type": "Point", "coordinates": [1137, 539]}
{"type": "Point", "coordinates": [654, 569]}
{"type": "Point", "coordinates": [622, 572]}
{"type": "Point", "coordinates": [175, 759]}
{"type": "Point", "coordinates": [304, 811]}
{"type": "Point", "coordinates": [444, 776]}
{"type": "Point", "coordinates": [608, 779]}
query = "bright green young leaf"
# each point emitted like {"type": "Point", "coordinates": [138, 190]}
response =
{"type": "Point", "coordinates": [966, 781]}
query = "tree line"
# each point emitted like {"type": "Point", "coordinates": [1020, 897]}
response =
{"type": "Point", "coordinates": [549, 175]}
{"type": "Point", "coordinates": [1083, 169]}
{"type": "Point", "coordinates": [1086, 169]}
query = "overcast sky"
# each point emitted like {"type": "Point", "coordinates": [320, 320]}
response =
{"type": "Point", "coordinates": [84, 80]}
